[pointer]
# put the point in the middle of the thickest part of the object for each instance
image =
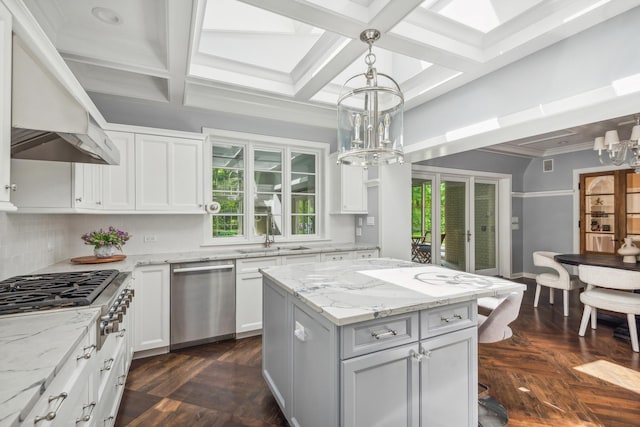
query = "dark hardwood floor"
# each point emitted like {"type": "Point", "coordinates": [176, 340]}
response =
{"type": "Point", "coordinates": [538, 375]}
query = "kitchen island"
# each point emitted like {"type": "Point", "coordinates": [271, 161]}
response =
{"type": "Point", "coordinates": [376, 342]}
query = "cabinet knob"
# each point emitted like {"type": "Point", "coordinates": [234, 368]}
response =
{"type": "Point", "coordinates": [12, 187]}
{"type": "Point", "coordinates": [98, 203]}
{"type": "Point", "coordinates": [78, 199]}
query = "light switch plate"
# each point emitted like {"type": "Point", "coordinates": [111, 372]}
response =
{"type": "Point", "coordinates": [371, 220]}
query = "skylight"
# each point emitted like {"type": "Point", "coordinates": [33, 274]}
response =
{"type": "Point", "coordinates": [482, 15]}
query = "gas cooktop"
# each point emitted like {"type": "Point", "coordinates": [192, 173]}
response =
{"type": "Point", "coordinates": [22, 294]}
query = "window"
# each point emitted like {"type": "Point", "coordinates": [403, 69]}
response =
{"type": "Point", "coordinates": [260, 185]}
{"type": "Point", "coordinates": [227, 183]}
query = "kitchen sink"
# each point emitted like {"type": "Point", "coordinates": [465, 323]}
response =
{"type": "Point", "coordinates": [271, 250]}
{"type": "Point", "coordinates": [257, 250]}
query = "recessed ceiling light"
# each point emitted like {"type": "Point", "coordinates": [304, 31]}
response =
{"type": "Point", "coordinates": [105, 15]}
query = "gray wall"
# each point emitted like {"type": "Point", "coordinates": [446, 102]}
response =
{"type": "Point", "coordinates": [168, 116]}
{"type": "Point", "coordinates": [588, 60]}
{"type": "Point", "coordinates": [547, 220]}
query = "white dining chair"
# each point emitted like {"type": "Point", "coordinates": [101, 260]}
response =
{"type": "Point", "coordinates": [610, 289]}
{"type": "Point", "coordinates": [558, 279]}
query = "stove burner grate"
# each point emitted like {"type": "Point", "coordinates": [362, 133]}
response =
{"type": "Point", "coordinates": [34, 292]}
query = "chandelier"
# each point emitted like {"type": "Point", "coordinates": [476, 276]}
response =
{"type": "Point", "coordinates": [370, 112]}
{"type": "Point", "coordinates": [618, 150]}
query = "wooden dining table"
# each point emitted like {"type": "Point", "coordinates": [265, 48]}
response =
{"type": "Point", "coordinates": [602, 260]}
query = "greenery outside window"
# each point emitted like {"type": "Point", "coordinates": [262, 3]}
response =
{"type": "Point", "coordinates": [227, 183]}
{"type": "Point", "coordinates": [262, 184]}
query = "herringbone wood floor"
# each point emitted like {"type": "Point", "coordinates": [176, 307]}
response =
{"type": "Point", "coordinates": [531, 374]}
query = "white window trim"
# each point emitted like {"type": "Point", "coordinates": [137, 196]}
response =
{"type": "Point", "coordinates": [251, 142]}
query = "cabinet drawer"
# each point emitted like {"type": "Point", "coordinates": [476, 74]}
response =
{"type": "Point", "coordinates": [300, 259]}
{"type": "Point", "coordinates": [367, 254]}
{"type": "Point", "coordinates": [252, 265]}
{"type": "Point", "coordinates": [379, 334]}
{"type": "Point", "coordinates": [337, 256]}
{"type": "Point", "coordinates": [441, 320]}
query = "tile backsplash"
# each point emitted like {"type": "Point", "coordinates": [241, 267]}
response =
{"type": "Point", "coordinates": [30, 242]}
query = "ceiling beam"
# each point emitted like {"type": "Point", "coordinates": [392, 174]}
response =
{"type": "Point", "coordinates": [180, 14]}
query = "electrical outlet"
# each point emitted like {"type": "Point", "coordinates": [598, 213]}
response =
{"type": "Point", "coordinates": [150, 239]}
{"type": "Point", "coordinates": [371, 220]}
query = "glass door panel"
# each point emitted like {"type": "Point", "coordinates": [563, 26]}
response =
{"type": "Point", "coordinates": [633, 207]}
{"type": "Point", "coordinates": [599, 213]}
{"type": "Point", "coordinates": [421, 224]}
{"type": "Point", "coordinates": [453, 223]}
{"type": "Point", "coordinates": [485, 226]}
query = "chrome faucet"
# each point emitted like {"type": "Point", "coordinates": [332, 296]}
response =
{"type": "Point", "coordinates": [269, 238]}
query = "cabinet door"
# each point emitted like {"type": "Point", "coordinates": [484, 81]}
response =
{"type": "Point", "coordinates": [248, 302]}
{"type": "Point", "coordinates": [354, 190]}
{"type": "Point", "coordinates": [118, 182]}
{"type": "Point", "coordinates": [448, 380]}
{"type": "Point", "coordinates": [87, 185]}
{"type": "Point", "coordinates": [5, 109]}
{"type": "Point", "coordinates": [151, 315]}
{"type": "Point", "coordinates": [276, 343]}
{"type": "Point", "coordinates": [168, 173]}
{"type": "Point", "coordinates": [382, 389]}
{"type": "Point", "coordinates": [315, 351]}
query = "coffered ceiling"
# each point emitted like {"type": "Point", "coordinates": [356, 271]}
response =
{"type": "Point", "coordinates": [288, 59]}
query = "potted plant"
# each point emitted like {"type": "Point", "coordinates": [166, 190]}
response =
{"type": "Point", "coordinates": [106, 242]}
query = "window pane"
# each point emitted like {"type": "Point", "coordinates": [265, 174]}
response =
{"type": "Point", "coordinates": [268, 181]}
{"type": "Point", "coordinates": [228, 156]}
{"type": "Point", "coordinates": [227, 180]}
{"type": "Point", "coordinates": [303, 224]}
{"type": "Point", "coordinates": [260, 223]}
{"type": "Point", "coordinates": [303, 204]}
{"type": "Point", "coordinates": [303, 183]}
{"type": "Point", "coordinates": [226, 225]}
{"type": "Point", "coordinates": [305, 163]}
{"type": "Point", "coordinates": [229, 203]}
{"type": "Point", "coordinates": [633, 183]}
{"type": "Point", "coordinates": [267, 160]}
{"type": "Point", "coordinates": [599, 184]}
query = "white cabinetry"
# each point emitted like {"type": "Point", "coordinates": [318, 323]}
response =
{"type": "Point", "coordinates": [369, 253]}
{"type": "Point", "coordinates": [118, 182]}
{"type": "Point", "coordinates": [5, 110]}
{"type": "Point", "coordinates": [71, 394]}
{"type": "Point", "coordinates": [168, 173]}
{"type": "Point", "coordinates": [151, 316]}
{"type": "Point", "coordinates": [348, 188]}
{"type": "Point", "coordinates": [44, 186]}
{"type": "Point", "coordinates": [249, 292]}
{"type": "Point", "coordinates": [337, 256]}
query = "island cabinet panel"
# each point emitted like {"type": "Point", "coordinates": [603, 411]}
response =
{"type": "Point", "coordinates": [382, 389]}
{"type": "Point", "coordinates": [276, 353]}
{"type": "Point", "coordinates": [448, 379]}
{"type": "Point", "coordinates": [379, 334]}
{"type": "Point", "coordinates": [315, 370]}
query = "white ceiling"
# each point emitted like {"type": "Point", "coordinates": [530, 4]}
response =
{"type": "Point", "coordinates": [287, 59]}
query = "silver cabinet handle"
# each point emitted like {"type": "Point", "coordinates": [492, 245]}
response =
{"type": "Point", "coordinates": [87, 352]}
{"type": "Point", "coordinates": [107, 365]}
{"type": "Point", "coordinates": [450, 319]}
{"type": "Point", "coordinates": [109, 421]}
{"type": "Point", "coordinates": [51, 415]}
{"type": "Point", "coordinates": [121, 380]}
{"type": "Point", "coordinates": [86, 417]}
{"type": "Point", "coordinates": [12, 187]}
{"type": "Point", "coordinates": [122, 333]}
{"type": "Point", "coordinates": [78, 199]}
{"type": "Point", "coordinates": [204, 268]}
{"type": "Point", "coordinates": [386, 333]}
{"type": "Point", "coordinates": [416, 356]}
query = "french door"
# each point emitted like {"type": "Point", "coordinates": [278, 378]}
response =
{"type": "Point", "coordinates": [458, 218]}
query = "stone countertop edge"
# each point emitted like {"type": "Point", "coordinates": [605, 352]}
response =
{"type": "Point", "coordinates": [132, 261]}
{"type": "Point", "coordinates": [25, 392]}
{"type": "Point", "coordinates": [423, 301]}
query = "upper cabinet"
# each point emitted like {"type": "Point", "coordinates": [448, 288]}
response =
{"type": "Point", "coordinates": [6, 186]}
{"type": "Point", "coordinates": [168, 174]}
{"type": "Point", "coordinates": [118, 182]}
{"type": "Point", "coordinates": [348, 188]}
{"type": "Point", "coordinates": [157, 174]}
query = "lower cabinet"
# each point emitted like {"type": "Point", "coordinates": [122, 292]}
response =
{"type": "Point", "coordinates": [151, 316]}
{"type": "Point", "coordinates": [387, 377]}
{"type": "Point", "coordinates": [249, 292]}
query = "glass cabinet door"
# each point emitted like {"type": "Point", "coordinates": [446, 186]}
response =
{"type": "Point", "coordinates": [599, 213]}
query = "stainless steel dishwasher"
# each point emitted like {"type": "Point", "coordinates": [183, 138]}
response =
{"type": "Point", "coordinates": [203, 302]}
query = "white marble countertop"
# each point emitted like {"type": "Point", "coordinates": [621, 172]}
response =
{"type": "Point", "coordinates": [347, 292]}
{"type": "Point", "coordinates": [34, 348]}
{"type": "Point", "coordinates": [132, 261]}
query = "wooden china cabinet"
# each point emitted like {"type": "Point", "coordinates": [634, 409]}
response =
{"type": "Point", "coordinates": [609, 210]}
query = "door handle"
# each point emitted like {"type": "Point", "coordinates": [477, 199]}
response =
{"type": "Point", "coordinates": [468, 235]}
{"type": "Point", "coordinates": [204, 268]}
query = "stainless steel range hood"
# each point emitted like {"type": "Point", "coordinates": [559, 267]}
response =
{"type": "Point", "coordinates": [48, 123]}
